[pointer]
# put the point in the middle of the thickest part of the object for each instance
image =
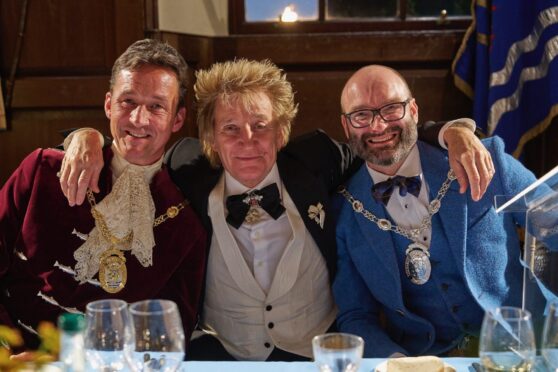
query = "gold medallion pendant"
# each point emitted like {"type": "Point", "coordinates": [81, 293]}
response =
{"type": "Point", "coordinates": [112, 270]}
{"type": "Point", "coordinates": [252, 216]}
{"type": "Point", "coordinates": [112, 263]}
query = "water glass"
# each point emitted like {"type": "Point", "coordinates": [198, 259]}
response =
{"type": "Point", "coordinates": [549, 349]}
{"type": "Point", "coordinates": [337, 352]}
{"type": "Point", "coordinates": [507, 341]}
{"type": "Point", "coordinates": [159, 343]}
{"type": "Point", "coordinates": [108, 332]}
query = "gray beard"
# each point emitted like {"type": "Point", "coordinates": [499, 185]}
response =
{"type": "Point", "coordinates": [407, 138]}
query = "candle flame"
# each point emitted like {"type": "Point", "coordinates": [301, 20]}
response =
{"type": "Point", "coordinates": [289, 15]}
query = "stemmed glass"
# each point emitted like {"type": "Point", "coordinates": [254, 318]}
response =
{"type": "Point", "coordinates": [108, 333]}
{"type": "Point", "coordinates": [159, 334]}
{"type": "Point", "coordinates": [507, 341]}
{"type": "Point", "coordinates": [549, 348]}
{"type": "Point", "coordinates": [337, 352]}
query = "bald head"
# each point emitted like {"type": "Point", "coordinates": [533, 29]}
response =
{"type": "Point", "coordinates": [373, 86]}
{"type": "Point", "coordinates": [382, 143]}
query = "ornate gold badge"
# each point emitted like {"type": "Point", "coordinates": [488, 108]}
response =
{"type": "Point", "coordinates": [112, 264]}
{"type": "Point", "coordinates": [253, 215]}
{"type": "Point", "coordinates": [112, 270]}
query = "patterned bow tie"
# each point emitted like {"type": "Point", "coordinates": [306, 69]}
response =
{"type": "Point", "coordinates": [381, 192]}
{"type": "Point", "coordinates": [267, 198]}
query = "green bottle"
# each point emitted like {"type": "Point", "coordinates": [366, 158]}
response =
{"type": "Point", "coordinates": [72, 350]}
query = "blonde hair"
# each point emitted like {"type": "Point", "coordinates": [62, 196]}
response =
{"type": "Point", "coordinates": [240, 81]}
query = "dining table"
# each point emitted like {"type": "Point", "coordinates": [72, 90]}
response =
{"type": "Point", "coordinates": [367, 365]}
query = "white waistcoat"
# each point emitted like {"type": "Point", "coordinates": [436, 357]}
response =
{"type": "Point", "coordinates": [298, 306]}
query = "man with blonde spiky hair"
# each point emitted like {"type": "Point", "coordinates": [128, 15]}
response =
{"type": "Point", "coordinates": [240, 82]}
{"type": "Point", "coordinates": [266, 206]}
{"type": "Point", "coordinates": [268, 284]}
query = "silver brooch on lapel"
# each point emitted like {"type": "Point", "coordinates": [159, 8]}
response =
{"type": "Point", "coordinates": [317, 213]}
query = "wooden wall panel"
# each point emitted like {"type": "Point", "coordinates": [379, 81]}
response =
{"type": "Point", "coordinates": [339, 48]}
{"type": "Point", "coordinates": [67, 54]}
{"type": "Point", "coordinates": [54, 41]}
{"type": "Point", "coordinates": [318, 95]}
{"type": "Point", "coordinates": [62, 91]}
{"type": "Point", "coordinates": [71, 45]}
{"type": "Point", "coordinates": [68, 37]}
{"type": "Point", "coordinates": [31, 129]}
{"type": "Point", "coordinates": [318, 65]}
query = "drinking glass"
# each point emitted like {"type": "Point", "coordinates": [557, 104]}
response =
{"type": "Point", "coordinates": [159, 344]}
{"type": "Point", "coordinates": [337, 352]}
{"type": "Point", "coordinates": [549, 349]}
{"type": "Point", "coordinates": [507, 341]}
{"type": "Point", "coordinates": [108, 332]}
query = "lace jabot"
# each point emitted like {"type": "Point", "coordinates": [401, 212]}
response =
{"type": "Point", "coordinates": [127, 208]}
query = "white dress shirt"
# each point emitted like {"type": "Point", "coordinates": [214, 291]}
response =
{"type": "Point", "coordinates": [408, 211]}
{"type": "Point", "coordinates": [263, 243]}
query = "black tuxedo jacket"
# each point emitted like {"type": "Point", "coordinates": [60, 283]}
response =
{"type": "Point", "coordinates": [311, 167]}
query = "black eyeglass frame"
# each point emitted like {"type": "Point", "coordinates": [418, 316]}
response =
{"type": "Point", "coordinates": [376, 112]}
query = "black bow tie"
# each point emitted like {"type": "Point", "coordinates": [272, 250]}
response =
{"type": "Point", "coordinates": [267, 198]}
{"type": "Point", "coordinates": [381, 192]}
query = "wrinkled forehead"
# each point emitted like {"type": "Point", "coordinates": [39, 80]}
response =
{"type": "Point", "coordinates": [253, 103]}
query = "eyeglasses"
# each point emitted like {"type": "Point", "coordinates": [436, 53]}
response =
{"type": "Point", "coordinates": [390, 112]}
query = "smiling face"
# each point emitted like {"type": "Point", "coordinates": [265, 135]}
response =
{"type": "Point", "coordinates": [246, 138]}
{"type": "Point", "coordinates": [383, 145]}
{"type": "Point", "coordinates": [142, 109]}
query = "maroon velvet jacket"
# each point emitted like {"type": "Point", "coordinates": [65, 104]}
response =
{"type": "Point", "coordinates": [36, 226]}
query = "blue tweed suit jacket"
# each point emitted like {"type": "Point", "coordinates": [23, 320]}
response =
{"type": "Point", "coordinates": [484, 244]}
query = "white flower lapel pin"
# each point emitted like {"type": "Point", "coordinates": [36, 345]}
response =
{"type": "Point", "coordinates": [317, 213]}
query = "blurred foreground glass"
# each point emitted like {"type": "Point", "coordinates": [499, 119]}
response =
{"type": "Point", "coordinates": [337, 352]}
{"type": "Point", "coordinates": [549, 347]}
{"type": "Point", "coordinates": [507, 341]}
{"type": "Point", "coordinates": [159, 344]}
{"type": "Point", "coordinates": [108, 332]}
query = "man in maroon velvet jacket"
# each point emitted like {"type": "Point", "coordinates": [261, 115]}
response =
{"type": "Point", "coordinates": [137, 238]}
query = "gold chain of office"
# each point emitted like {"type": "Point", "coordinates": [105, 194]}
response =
{"type": "Point", "coordinates": [112, 264]}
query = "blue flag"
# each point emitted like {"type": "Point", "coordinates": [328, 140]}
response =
{"type": "Point", "coordinates": [507, 64]}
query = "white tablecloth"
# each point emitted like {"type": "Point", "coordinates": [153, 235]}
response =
{"type": "Point", "coordinates": [368, 365]}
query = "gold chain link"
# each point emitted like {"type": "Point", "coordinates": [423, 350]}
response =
{"type": "Point", "coordinates": [171, 212]}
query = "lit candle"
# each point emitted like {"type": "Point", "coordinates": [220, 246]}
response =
{"type": "Point", "coordinates": [289, 15]}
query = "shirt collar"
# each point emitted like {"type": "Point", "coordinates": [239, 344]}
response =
{"type": "Point", "coordinates": [119, 164]}
{"type": "Point", "coordinates": [411, 167]}
{"type": "Point", "coordinates": [234, 187]}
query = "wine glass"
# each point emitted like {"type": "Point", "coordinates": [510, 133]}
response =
{"type": "Point", "coordinates": [159, 344]}
{"type": "Point", "coordinates": [337, 352]}
{"type": "Point", "coordinates": [549, 349]}
{"type": "Point", "coordinates": [507, 341]}
{"type": "Point", "coordinates": [108, 332]}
